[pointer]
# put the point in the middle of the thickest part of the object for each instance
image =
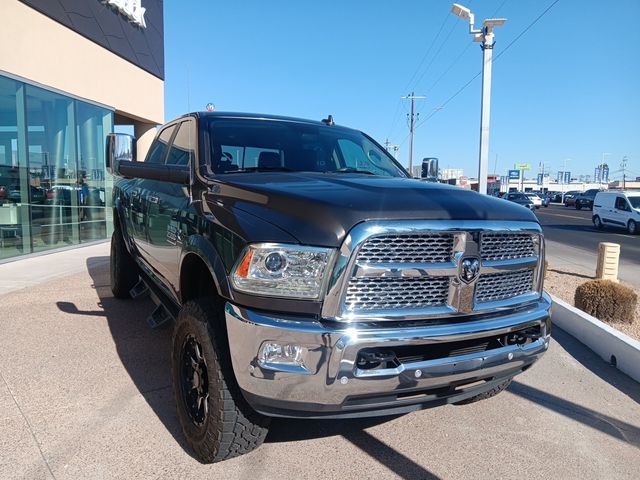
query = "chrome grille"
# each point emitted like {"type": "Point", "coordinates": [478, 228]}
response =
{"type": "Point", "coordinates": [420, 248]}
{"type": "Point", "coordinates": [386, 293]}
{"type": "Point", "coordinates": [506, 245]}
{"type": "Point", "coordinates": [502, 286]}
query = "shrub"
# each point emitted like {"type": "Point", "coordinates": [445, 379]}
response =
{"type": "Point", "coordinates": [607, 301]}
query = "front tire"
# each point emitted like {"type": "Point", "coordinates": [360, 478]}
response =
{"type": "Point", "coordinates": [597, 222]}
{"type": "Point", "coordinates": [123, 268]}
{"type": "Point", "coordinates": [216, 420]}
{"type": "Point", "coordinates": [578, 206]}
{"type": "Point", "coordinates": [632, 227]}
{"type": "Point", "coordinates": [488, 394]}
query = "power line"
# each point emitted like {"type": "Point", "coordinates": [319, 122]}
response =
{"type": "Point", "coordinates": [450, 67]}
{"type": "Point", "coordinates": [495, 59]}
{"type": "Point", "coordinates": [424, 57]}
{"type": "Point", "coordinates": [437, 53]}
{"type": "Point", "coordinates": [525, 30]}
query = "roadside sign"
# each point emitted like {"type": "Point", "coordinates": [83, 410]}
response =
{"type": "Point", "coordinates": [522, 166]}
{"type": "Point", "coordinates": [514, 174]}
{"type": "Point", "coordinates": [540, 179]}
{"type": "Point", "coordinates": [210, 107]}
{"type": "Point", "coordinates": [567, 177]}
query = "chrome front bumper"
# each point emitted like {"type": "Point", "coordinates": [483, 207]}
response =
{"type": "Point", "coordinates": [329, 383]}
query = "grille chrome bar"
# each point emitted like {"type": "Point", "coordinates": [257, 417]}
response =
{"type": "Point", "coordinates": [500, 286]}
{"type": "Point", "coordinates": [506, 246]}
{"type": "Point", "coordinates": [384, 293]}
{"type": "Point", "coordinates": [412, 248]}
{"type": "Point", "coordinates": [359, 288]}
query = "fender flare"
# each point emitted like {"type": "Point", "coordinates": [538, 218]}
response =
{"type": "Point", "coordinates": [201, 247]}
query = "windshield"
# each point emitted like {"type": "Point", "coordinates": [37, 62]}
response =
{"type": "Point", "coordinates": [634, 201]}
{"type": "Point", "coordinates": [241, 145]}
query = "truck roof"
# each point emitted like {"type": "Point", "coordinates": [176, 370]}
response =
{"type": "Point", "coordinates": [256, 116]}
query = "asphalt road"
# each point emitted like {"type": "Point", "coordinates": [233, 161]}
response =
{"type": "Point", "coordinates": [572, 242]}
{"type": "Point", "coordinates": [574, 227]}
{"type": "Point", "coordinates": [85, 392]}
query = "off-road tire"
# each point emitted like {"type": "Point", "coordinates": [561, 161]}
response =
{"type": "Point", "coordinates": [123, 268]}
{"type": "Point", "coordinates": [597, 223]}
{"type": "Point", "coordinates": [632, 227]}
{"type": "Point", "coordinates": [488, 394]}
{"type": "Point", "coordinates": [230, 427]}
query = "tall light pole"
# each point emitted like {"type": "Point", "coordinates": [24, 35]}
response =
{"type": "Point", "coordinates": [485, 36]}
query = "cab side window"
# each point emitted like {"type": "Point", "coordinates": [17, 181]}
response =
{"type": "Point", "coordinates": [621, 203]}
{"type": "Point", "coordinates": [158, 149]}
{"type": "Point", "coordinates": [183, 146]}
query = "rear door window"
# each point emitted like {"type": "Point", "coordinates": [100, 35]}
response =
{"type": "Point", "coordinates": [158, 150]}
{"type": "Point", "coordinates": [183, 146]}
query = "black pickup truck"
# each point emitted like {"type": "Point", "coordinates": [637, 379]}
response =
{"type": "Point", "coordinates": [308, 276]}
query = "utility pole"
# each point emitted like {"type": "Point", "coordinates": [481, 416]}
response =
{"type": "Point", "coordinates": [623, 166]}
{"type": "Point", "coordinates": [412, 97]}
{"type": "Point", "coordinates": [388, 146]}
{"type": "Point", "coordinates": [564, 171]}
{"type": "Point", "coordinates": [486, 38]}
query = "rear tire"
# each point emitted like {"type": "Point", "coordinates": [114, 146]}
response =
{"type": "Point", "coordinates": [216, 420]}
{"type": "Point", "coordinates": [578, 207]}
{"type": "Point", "coordinates": [597, 222]}
{"type": "Point", "coordinates": [632, 227]}
{"type": "Point", "coordinates": [123, 268]}
{"type": "Point", "coordinates": [488, 394]}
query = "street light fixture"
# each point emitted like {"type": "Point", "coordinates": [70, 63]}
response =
{"type": "Point", "coordinates": [485, 36]}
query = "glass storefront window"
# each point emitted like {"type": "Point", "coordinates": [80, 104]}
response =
{"type": "Point", "coordinates": [93, 124]}
{"type": "Point", "coordinates": [52, 170]}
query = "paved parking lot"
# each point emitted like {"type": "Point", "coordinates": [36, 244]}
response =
{"type": "Point", "coordinates": [85, 393]}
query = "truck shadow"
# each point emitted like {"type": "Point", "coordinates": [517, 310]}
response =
{"type": "Point", "coordinates": [146, 355]}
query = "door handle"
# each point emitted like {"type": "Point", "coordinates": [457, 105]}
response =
{"type": "Point", "coordinates": [135, 193]}
{"type": "Point", "coordinates": [154, 199]}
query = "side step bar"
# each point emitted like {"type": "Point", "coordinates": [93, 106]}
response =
{"type": "Point", "coordinates": [139, 290]}
{"type": "Point", "coordinates": [159, 317]}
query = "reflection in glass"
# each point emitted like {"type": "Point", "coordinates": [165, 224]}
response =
{"type": "Point", "coordinates": [52, 170]}
{"type": "Point", "coordinates": [12, 211]}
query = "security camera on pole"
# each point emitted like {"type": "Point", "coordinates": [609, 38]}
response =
{"type": "Point", "coordinates": [485, 36]}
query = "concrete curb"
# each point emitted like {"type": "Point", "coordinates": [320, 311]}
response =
{"type": "Point", "coordinates": [610, 344]}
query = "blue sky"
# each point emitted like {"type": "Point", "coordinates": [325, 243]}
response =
{"type": "Point", "coordinates": [568, 89]}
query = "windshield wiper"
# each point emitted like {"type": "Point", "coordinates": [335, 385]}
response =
{"type": "Point", "coordinates": [351, 170]}
{"type": "Point", "coordinates": [260, 169]}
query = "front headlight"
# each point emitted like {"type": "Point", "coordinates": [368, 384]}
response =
{"type": "Point", "coordinates": [281, 270]}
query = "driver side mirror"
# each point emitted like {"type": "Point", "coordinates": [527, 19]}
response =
{"type": "Point", "coordinates": [120, 147]}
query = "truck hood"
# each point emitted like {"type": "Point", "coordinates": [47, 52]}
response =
{"type": "Point", "coordinates": [321, 208]}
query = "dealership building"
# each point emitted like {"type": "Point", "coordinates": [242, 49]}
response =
{"type": "Point", "coordinates": [71, 70]}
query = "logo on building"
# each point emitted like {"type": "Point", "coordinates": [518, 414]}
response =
{"type": "Point", "coordinates": [132, 9]}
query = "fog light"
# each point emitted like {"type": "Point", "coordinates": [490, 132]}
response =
{"type": "Point", "coordinates": [278, 354]}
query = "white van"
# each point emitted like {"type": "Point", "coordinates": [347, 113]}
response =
{"type": "Point", "coordinates": [617, 209]}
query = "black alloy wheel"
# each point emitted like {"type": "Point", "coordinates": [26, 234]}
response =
{"type": "Point", "coordinates": [194, 381]}
{"type": "Point", "coordinates": [217, 421]}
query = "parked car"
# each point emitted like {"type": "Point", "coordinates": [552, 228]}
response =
{"type": "Point", "coordinates": [617, 209]}
{"type": "Point", "coordinates": [520, 199]}
{"type": "Point", "coordinates": [37, 195]}
{"type": "Point", "coordinates": [570, 198]}
{"type": "Point", "coordinates": [539, 199]}
{"type": "Point", "coordinates": [555, 196]}
{"type": "Point", "coordinates": [585, 199]}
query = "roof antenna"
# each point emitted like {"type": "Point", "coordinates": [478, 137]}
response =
{"type": "Point", "coordinates": [328, 121]}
